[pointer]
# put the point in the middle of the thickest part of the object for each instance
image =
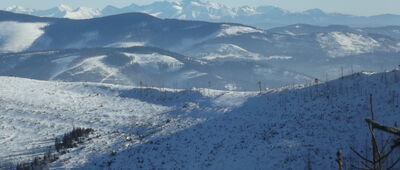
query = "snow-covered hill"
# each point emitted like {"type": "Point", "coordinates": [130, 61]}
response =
{"type": "Point", "coordinates": [119, 30]}
{"type": "Point", "coordinates": [261, 16]}
{"type": "Point", "coordinates": [145, 128]}
{"type": "Point", "coordinates": [146, 65]}
{"type": "Point", "coordinates": [16, 36]}
{"type": "Point", "coordinates": [276, 57]}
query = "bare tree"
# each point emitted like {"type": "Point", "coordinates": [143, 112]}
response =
{"type": "Point", "coordinates": [380, 156]}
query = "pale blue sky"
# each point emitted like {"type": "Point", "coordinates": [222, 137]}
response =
{"type": "Point", "coordinates": [355, 7]}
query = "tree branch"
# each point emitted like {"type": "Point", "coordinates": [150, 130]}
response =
{"type": "Point", "coordinates": [383, 128]}
{"type": "Point", "coordinates": [359, 155]}
{"type": "Point", "coordinates": [394, 164]}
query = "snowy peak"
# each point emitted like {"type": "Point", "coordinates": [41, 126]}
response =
{"type": "Point", "coordinates": [64, 8]}
{"type": "Point", "coordinates": [246, 11]}
{"type": "Point", "coordinates": [19, 9]}
{"type": "Point", "coordinates": [82, 13]}
{"type": "Point", "coordinates": [62, 11]}
{"type": "Point", "coordinates": [262, 16]}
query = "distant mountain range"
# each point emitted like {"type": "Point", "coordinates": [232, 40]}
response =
{"type": "Point", "coordinates": [185, 94]}
{"type": "Point", "coordinates": [182, 53]}
{"type": "Point", "coordinates": [262, 17]}
{"type": "Point", "coordinates": [62, 11]}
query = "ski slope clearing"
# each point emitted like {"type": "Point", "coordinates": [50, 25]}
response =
{"type": "Point", "coordinates": [224, 52]}
{"type": "Point", "coordinates": [341, 44]}
{"type": "Point", "coordinates": [154, 61]}
{"type": "Point", "coordinates": [17, 36]}
{"type": "Point", "coordinates": [150, 128]}
{"type": "Point", "coordinates": [237, 30]}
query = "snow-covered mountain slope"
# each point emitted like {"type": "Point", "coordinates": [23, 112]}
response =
{"type": "Point", "coordinates": [146, 128]}
{"type": "Point", "coordinates": [146, 65]}
{"type": "Point", "coordinates": [223, 52]}
{"type": "Point", "coordinates": [276, 58]}
{"type": "Point", "coordinates": [314, 54]}
{"type": "Point", "coordinates": [261, 16]}
{"type": "Point", "coordinates": [315, 51]}
{"type": "Point", "coordinates": [304, 29]}
{"type": "Point", "coordinates": [339, 40]}
{"type": "Point", "coordinates": [391, 31]}
{"type": "Point", "coordinates": [340, 44]}
{"type": "Point", "coordinates": [132, 28]}
{"type": "Point", "coordinates": [112, 65]}
{"type": "Point", "coordinates": [179, 36]}
{"type": "Point", "coordinates": [135, 29]}
{"type": "Point", "coordinates": [16, 37]}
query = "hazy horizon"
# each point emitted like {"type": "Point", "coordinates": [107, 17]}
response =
{"type": "Point", "coordinates": [354, 7]}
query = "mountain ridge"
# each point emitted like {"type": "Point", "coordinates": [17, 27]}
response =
{"type": "Point", "coordinates": [262, 16]}
{"type": "Point", "coordinates": [275, 57]}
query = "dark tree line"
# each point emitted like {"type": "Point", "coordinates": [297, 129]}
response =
{"type": "Point", "coordinates": [68, 140]}
{"type": "Point", "coordinates": [38, 162]}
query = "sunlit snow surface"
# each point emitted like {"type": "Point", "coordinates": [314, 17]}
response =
{"type": "Point", "coordinates": [236, 30]}
{"type": "Point", "coordinates": [340, 44]}
{"type": "Point", "coordinates": [155, 61]}
{"type": "Point", "coordinates": [82, 13]}
{"type": "Point", "coordinates": [95, 64]}
{"type": "Point", "coordinates": [225, 52]}
{"type": "Point", "coordinates": [62, 11]}
{"type": "Point", "coordinates": [17, 37]}
{"type": "Point", "coordinates": [193, 129]}
{"type": "Point", "coordinates": [34, 112]}
{"type": "Point", "coordinates": [126, 44]}
{"type": "Point", "coordinates": [36, 116]}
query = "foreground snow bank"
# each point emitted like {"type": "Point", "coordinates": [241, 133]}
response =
{"type": "Point", "coordinates": [150, 128]}
{"type": "Point", "coordinates": [33, 113]}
